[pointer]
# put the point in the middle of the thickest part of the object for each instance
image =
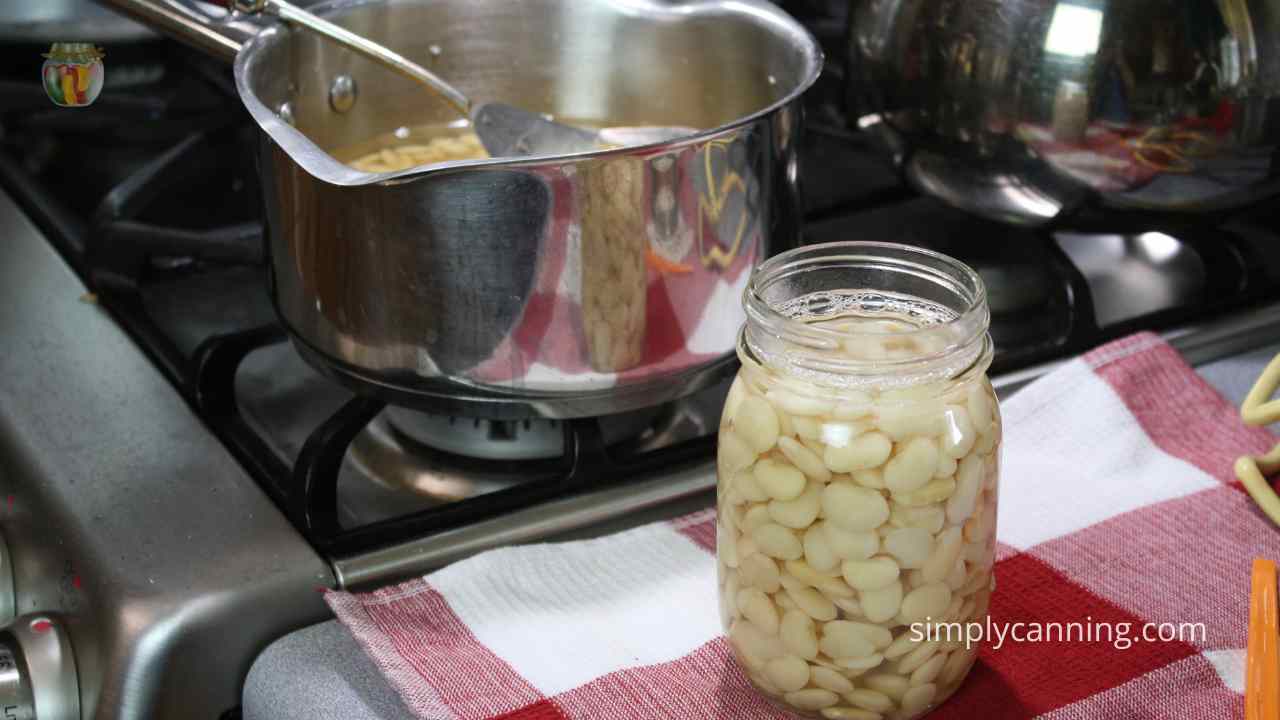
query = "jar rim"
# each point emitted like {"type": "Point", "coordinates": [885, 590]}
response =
{"type": "Point", "coordinates": [966, 331]}
{"type": "Point", "coordinates": [771, 271]}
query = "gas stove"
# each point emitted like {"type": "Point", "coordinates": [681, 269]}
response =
{"type": "Point", "coordinates": [177, 483]}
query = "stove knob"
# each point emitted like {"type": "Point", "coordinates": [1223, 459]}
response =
{"type": "Point", "coordinates": [37, 671]}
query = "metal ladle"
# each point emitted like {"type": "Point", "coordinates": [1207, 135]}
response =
{"type": "Point", "coordinates": [504, 130]}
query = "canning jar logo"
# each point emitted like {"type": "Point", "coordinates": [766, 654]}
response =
{"type": "Point", "coordinates": [73, 74]}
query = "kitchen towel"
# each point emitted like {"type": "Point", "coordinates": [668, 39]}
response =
{"type": "Point", "coordinates": [1117, 505]}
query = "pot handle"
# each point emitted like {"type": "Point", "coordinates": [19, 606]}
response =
{"type": "Point", "coordinates": [186, 21]}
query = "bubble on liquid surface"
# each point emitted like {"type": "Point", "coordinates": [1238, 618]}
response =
{"type": "Point", "coordinates": [824, 305]}
{"type": "Point", "coordinates": [882, 340]}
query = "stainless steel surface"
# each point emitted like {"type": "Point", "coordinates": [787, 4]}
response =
{"type": "Point", "coordinates": [387, 471]}
{"type": "Point", "coordinates": [402, 313]}
{"type": "Point", "coordinates": [500, 287]}
{"type": "Point", "coordinates": [8, 596]}
{"type": "Point", "coordinates": [16, 700]}
{"type": "Point", "coordinates": [1131, 276]}
{"type": "Point", "coordinates": [50, 21]}
{"type": "Point", "coordinates": [37, 664]}
{"type": "Point", "coordinates": [219, 35]}
{"type": "Point", "coordinates": [386, 457]}
{"type": "Point", "coordinates": [540, 522]}
{"type": "Point", "coordinates": [529, 439]}
{"type": "Point", "coordinates": [507, 131]}
{"type": "Point", "coordinates": [396, 450]}
{"type": "Point", "coordinates": [406, 432]}
{"type": "Point", "coordinates": [379, 54]}
{"type": "Point", "coordinates": [504, 130]}
{"type": "Point", "coordinates": [1198, 343]}
{"type": "Point", "coordinates": [1028, 110]}
{"type": "Point", "coordinates": [129, 520]}
{"type": "Point", "coordinates": [342, 95]}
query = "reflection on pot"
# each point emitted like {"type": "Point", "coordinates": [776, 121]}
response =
{"type": "Point", "coordinates": [1022, 109]}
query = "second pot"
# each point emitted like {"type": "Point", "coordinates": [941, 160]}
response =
{"type": "Point", "coordinates": [1037, 112]}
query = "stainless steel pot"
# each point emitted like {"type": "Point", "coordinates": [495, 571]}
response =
{"type": "Point", "coordinates": [1030, 110]}
{"type": "Point", "coordinates": [559, 286]}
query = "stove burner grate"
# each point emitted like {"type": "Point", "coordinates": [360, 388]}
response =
{"type": "Point", "coordinates": [170, 238]}
{"type": "Point", "coordinates": [308, 491]}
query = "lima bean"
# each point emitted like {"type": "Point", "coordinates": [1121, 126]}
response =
{"type": "Point", "coordinates": [757, 423]}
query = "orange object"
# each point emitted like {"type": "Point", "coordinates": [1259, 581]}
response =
{"type": "Point", "coordinates": [1262, 664]}
{"type": "Point", "coordinates": [665, 266]}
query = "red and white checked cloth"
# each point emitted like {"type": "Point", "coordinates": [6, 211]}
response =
{"type": "Point", "coordinates": [1117, 505]}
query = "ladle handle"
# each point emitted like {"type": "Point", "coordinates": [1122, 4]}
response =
{"type": "Point", "coordinates": [293, 14]}
{"type": "Point", "coordinates": [220, 37]}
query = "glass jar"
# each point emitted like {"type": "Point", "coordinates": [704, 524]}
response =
{"type": "Point", "coordinates": [73, 74]}
{"type": "Point", "coordinates": [857, 479]}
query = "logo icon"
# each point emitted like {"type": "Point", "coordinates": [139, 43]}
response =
{"type": "Point", "coordinates": [73, 74]}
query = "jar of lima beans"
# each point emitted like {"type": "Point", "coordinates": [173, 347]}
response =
{"type": "Point", "coordinates": [857, 479]}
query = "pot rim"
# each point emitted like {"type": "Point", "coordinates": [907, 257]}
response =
{"type": "Point", "coordinates": [323, 166]}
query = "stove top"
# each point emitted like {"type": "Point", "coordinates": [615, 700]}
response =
{"type": "Point", "coordinates": [166, 231]}
{"type": "Point", "coordinates": [202, 477]}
